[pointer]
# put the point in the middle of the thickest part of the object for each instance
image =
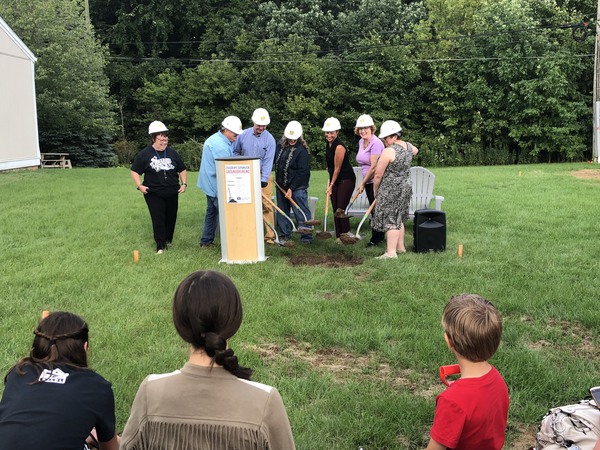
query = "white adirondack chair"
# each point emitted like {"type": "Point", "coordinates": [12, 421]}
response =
{"type": "Point", "coordinates": [422, 184]}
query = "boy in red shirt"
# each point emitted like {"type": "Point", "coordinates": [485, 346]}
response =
{"type": "Point", "coordinates": [471, 414]}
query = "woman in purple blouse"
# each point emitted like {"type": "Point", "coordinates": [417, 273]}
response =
{"type": "Point", "coordinates": [369, 149]}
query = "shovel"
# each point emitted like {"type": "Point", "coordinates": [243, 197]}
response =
{"type": "Point", "coordinates": [344, 214]}
{"type": "Point", "coordinates": [277, 241]}
{"type": "Point", "coordinates": [269, 201]}
{"type": "Point", "coordinates": [347, 238]}
{"type": "Point", "coordinates": [306, 221]}
{"type": "Point", "coordinates": [325, 234]}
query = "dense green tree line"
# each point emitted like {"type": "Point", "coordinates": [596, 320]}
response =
{"type": "Point", "coordinates": [471, 81]}
{"type": "Point", "coordinates": [75, 113]}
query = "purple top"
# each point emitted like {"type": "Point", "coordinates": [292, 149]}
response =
{"type": "Point", "coordinates": [363, 157]}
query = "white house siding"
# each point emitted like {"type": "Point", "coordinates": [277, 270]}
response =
{"type": "Point", "coordinates": [18, 114]}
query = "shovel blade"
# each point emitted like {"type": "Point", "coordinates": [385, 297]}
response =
{"type": "Point", "coordinates": [323, 235]}
{"type": "Point", "coordinates": [349, 239]}
{"type": "Point", "coordinates": [313, 222]}
{"type": "Point", "coordinates": [342, 215]}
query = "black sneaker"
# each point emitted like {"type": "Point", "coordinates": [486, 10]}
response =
{"type": "Point", "coordinates": [372, 244]}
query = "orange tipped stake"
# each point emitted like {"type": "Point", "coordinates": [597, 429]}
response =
{"type": "Point", "coordinates": [460, 250]}
{"type": "Point", "coordinates": [136, 256]}
{"type": "Point", "coordinates": [45, 314]}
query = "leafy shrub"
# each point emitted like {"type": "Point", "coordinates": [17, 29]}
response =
{"type": "Point", "coordinates": [125, 151]}
{"type": "Point", "coordinates": [190, 151]}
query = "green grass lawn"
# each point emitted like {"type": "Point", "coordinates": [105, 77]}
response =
{"type": "Point", "coordinates": [355, 351]}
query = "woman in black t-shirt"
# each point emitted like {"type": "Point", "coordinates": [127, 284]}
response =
{"type": "Point", "coordinates": [162, 168]}
{"type": "Point", "coordinates": [51, 399]}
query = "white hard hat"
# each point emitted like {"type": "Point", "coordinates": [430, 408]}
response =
{"type": "Point", "coordinates": [364, 121]}
{"type": "Point", "coordinates": [233, 124]}
{"type": "Point", "coordinates": [389, 127]}
{"type": "Point", "coordinates": [157, 127]}
{"type": "Point", "coordinates": [332, 124]}
{"type": "Point", "coordinates": [293, 130]}
{"type": "Point", "coordinates": [261, 117]}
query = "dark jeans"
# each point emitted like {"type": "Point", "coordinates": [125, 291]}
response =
{"type": "Point", "coordinates": [376, 236]}
{"type": "Point", "coordinates": [163, 212]}
{"type": "Point", "coordinates": [211, 220]}
{"type": "Point", "coordinates": [341, 193]}
{"type": "Point", "coordinates": [300, 196]}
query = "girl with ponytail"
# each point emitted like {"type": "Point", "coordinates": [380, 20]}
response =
{"type": "Point", "coordinates": [210, 403]}
{"type": "Point", "coordinates": [51, 399]}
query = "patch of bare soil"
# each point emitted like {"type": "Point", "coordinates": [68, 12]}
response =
{"type": "Point", "coordinates": [585, 344]}
{"type": "Point", "coordinates": [342, 365]}
{"type": "Point", "coordinates": [584, 341]}
{"type": "Point", "coordinates": [333, 261]}
{"type": "Point", "coordinates": [525, 437]}
{"type": "Point", "coordinates": [587, 174]}
{"type": "Point", "coordinates": [363, 276]}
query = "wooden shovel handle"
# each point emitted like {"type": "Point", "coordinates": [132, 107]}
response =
{"type": "Point", "coordinates": [371, 207]}
{"type": "Point", "coordinates": [355, 197]}
{"type": "Point", "coordinates": [365, 217]}
{"type": "Point", "coordinates": [285, 193]}
{"type": "Point", "coordinates": [268, 200]}
{"type": "Point", "coordinates": [352, 200]}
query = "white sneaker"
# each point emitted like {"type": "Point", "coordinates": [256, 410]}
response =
{"type": "Point", "coordinates": [386, 256]}
{"type": "Point", "coordinates": [160, 251]}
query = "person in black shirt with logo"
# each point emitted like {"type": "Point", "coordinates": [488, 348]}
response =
{"type": "Point", "coordinates": [162, 168]}
{"type": "Point", "coordinates": [51, 399]}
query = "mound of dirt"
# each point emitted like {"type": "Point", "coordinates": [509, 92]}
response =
{"type": "Point", "coordinates": [326, 260]}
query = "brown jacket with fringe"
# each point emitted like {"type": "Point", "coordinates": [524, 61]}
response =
{"type": "Point", "coordinates": [206, 408]}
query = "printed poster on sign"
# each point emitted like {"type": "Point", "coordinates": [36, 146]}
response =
{"type": "Point", "coordinates": [238, 183]}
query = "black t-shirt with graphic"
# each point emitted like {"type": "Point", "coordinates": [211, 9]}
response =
{"type": "Point", "coordinates": [57, 413]}
{"type": "Point", "coordinates": [161, 169]}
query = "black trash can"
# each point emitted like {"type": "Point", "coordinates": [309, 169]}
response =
{"type": "Point", "coordinates": [429, 230]}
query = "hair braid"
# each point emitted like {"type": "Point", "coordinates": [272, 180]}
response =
{"type": "Point", "coordinates": [207, 312]}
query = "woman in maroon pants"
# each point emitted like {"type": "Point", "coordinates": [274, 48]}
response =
{"type": "Point", "coordinates": [341, 175]}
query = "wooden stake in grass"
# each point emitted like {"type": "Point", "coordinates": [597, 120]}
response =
{"type": "Point", "coordinates": [136, 256]}
{"type": "Point", "coordinates": [45, 314]}
{"type": "Point", "coordinates": [460, 250]}
{"type": "Point", "coordinates": [519, 173]}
